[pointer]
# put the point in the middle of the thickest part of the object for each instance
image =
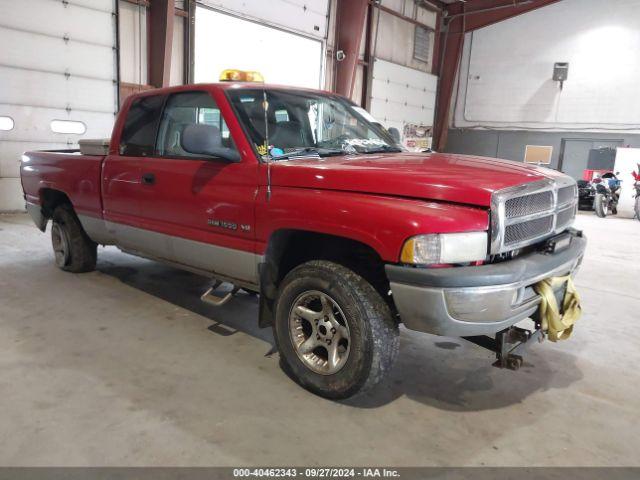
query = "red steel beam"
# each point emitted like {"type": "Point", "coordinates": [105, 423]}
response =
{"type": "Point", "coordinates": [161, 19]}
{"type": "Point", "coordinates": [437, 37]}
{"type": "Point", "coordinates": [451, 53]}
{"type": "Point", "coordinates": [462, 18]}
{"type": "Point", "coordinates": [350, 21]}
{"type": "Point", "coordinates": [481, 13]}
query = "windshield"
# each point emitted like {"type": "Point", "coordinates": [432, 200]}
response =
{"type": "Point", "coordinates": [298, 123]}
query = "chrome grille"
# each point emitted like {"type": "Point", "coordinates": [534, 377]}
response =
{"type": "Point", "coordinates": [529, 213]}
{"type": "Point", "coordinates": [528, 204]}
{"type": "Point", "coordinates": [567, 194]}
{"type": "Point", "coordinates": [523, 231]}
{"type": "Point", "coordinates": [566, 216]}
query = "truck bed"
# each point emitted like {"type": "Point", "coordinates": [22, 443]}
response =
{"type": "Point", "coordinates": [68, 171]}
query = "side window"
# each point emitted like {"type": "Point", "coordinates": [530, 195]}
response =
{"type": "Point", "coordinates": [140, 127]}
{"type": "Point", "coordinates": [182, 111]}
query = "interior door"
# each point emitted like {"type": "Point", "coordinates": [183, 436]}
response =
{"type": "Point", "coordinates": [576, 152]}
{"type": "Point", "coordinates": [200, 205]}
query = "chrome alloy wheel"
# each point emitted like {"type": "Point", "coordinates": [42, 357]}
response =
{"type": "Point", "coordinates": [60, 244]}
{"type": "Point", "coordinates": [319, 332]}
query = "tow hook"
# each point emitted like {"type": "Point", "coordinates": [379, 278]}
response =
{"type": "Point", "coordinates": [509, 345]}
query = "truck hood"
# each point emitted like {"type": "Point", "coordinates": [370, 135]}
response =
{"type": "Point", "coordinates": [430, 176]}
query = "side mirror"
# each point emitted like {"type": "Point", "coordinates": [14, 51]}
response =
{"type": "Point", "coordinates": [201, 139]}
{"type": "Point", "coordinates": [395, 134]}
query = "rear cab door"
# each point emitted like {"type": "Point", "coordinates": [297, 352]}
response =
{"type": "Point", "coordinates": [134, 140]}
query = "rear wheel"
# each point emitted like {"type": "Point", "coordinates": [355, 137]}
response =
{"type": "Point", "coordinates": [74, 251]}
{"type": "Point", "coordinates": [601, 205]}
{"type": "Point", "coordinates": [335, 333]}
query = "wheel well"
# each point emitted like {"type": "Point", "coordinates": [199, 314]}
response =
{"type": "Point", "coordinates": [50, 199]}
{"type": "Point", "coordinates": [290, 248]}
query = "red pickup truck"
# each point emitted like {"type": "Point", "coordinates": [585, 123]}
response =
{"type": "Point", "coordinates": [300, 196]}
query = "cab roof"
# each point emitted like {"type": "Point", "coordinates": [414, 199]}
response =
{"type": "Point", "coordinates": [229, 86]}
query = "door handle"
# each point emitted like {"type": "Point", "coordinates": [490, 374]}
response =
{"type": "Point", "coordinates": [148, 179]}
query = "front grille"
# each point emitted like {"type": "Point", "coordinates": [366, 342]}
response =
{"type": "Point", "coordinates": [531, 229]}
{"type": "Point", "coordinates": [566, 216]}
{"type": "Point", "coordinates": [528, 205]}
{"type": "Point", "coordinates": [527, 214]}
{"type": "Point", "coordinates": [566, 194]}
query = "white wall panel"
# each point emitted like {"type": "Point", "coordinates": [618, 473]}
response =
{"type": "Point", "coordinates": [133, 43]}
{"type": "Point", "coordinates": [507, 69]}
{"type": "Point", "coordinates": [11, 195]}
{"type": "Point", "coordinates": [54, 18]}
{"type": "Point", "coordinates": [35, 125]}
{"type": "Point", "coordinates": [395, 42]}
{"type": "Point", "coordinates": [627, 161]}
{"type": "Point", "coordinates": [57, 63]}
{"type": "Point", "coordinates": [177, 52]}
{"type": "Point", "coordinates": [32, 51]}
{"type": "Point", "coordinates": [305, 16]}
{"type": "Point", "coordinates": [401, 95]}
{"type": "Point", "coordinates": [26, 87]}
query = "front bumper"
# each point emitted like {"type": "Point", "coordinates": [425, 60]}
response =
{"type": "Point", "coordinates": [482, 300]}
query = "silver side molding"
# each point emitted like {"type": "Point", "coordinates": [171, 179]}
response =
{"type": "Point", "coordinates": [228, 264]}
{"type": "Point", "coordinates": [35, 212]}
{"type": "Point", "coordinates": [96, 229]}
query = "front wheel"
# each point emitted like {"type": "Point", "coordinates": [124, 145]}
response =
{"type": "Point", "coordinates": [637, 207]}
{"type": "Point", "coordinates": [335, 333]}
{"type": "Point", "coordinates": [601, 205]}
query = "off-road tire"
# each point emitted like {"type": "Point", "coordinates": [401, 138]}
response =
{"type": "Point", "coordinates": [81, 252]}
{"type": "Point", "coordinates": [374, 337]}
{"type": "Point", "coordinates": [599, 205]}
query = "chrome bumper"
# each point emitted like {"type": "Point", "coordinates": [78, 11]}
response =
{"type": "Point", "coordinates": [469, 301]}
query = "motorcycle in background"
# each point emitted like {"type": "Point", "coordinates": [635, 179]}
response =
{"type": "Point", "coordinates": [586, 195]}
{"type": "Point", "coordinates": [607, 194]}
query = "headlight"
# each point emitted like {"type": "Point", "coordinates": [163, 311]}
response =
{"type": "Point", "coordinates": [445, 248]}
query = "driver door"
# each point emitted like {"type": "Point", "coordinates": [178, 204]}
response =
{"type": "Point", "coordinates": [200, 206]}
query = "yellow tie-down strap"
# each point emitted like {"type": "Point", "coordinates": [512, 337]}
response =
{"type": "Point", "coordinates": [558, 326]}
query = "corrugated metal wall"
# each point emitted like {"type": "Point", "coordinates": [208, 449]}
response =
{"type": "Point", "coordinates": [57, 66]}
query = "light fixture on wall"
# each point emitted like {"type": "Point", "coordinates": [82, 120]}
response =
{"type": "Point", "coordinates": [561, 73]}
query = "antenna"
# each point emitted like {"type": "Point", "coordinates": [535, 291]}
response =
{"type": "Point", "coordinates": [265, 106]}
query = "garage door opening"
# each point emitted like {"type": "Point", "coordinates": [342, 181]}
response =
{"type": "Point", "coordinates": [223, 41]}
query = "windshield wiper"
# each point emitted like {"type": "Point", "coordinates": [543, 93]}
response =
{"type": "Point", "coordinates": [382, 149]}
{"type": "Point", "coordinates": [310, 152]}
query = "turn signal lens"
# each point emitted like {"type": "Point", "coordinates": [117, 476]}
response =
{"type": "Point", "coordinates": [231, 75]}
{"type": "Point", "coordinates": [445, 248]}
{"type": "Point", "coordinates": [424, 249]}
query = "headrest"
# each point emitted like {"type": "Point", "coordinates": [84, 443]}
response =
{"type": "Point", "coordinates": [200, 138]}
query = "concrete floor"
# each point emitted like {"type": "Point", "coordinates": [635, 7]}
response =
{"type": "Point", "coordinates": [125, 366]}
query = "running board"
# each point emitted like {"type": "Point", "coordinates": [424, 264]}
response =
{"type": "Point", "coordinates": [212, 299]}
